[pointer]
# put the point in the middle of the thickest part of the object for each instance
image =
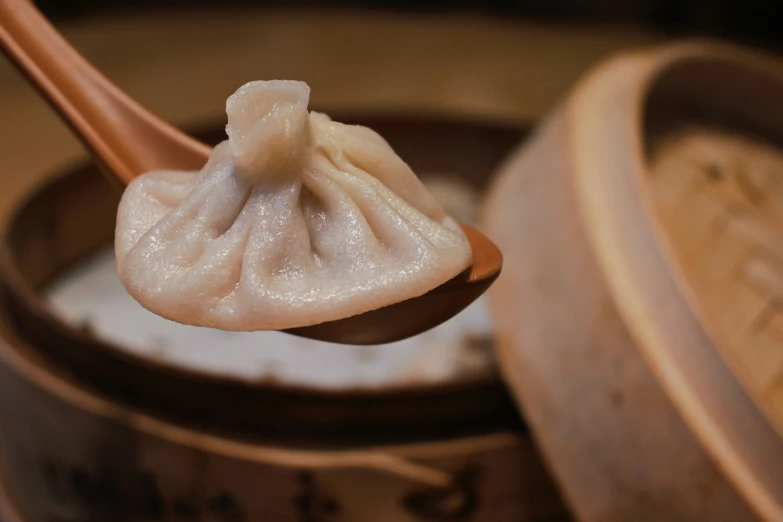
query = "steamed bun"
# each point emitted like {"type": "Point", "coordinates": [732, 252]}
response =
{"type": "Point", "coordinates": [294, 220]}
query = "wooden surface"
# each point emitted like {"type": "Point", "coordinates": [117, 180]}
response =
{"type": "Point", "coordinates": [598, 316]}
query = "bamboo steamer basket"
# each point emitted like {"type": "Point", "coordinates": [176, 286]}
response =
{"type": "Point", "coordinates": [88, 432]}
{"type": "Point", "coordinates": [637, 327]}
{"type": "Point", "coordinates": [89, 435]}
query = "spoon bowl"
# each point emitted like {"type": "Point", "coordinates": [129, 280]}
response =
{"type": "Point", "coordinates": [414, 316]}
{"type": "Point", "coordinates": [127, 140]}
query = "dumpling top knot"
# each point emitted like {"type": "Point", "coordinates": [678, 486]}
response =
{"type": "Point", "coordinates": [294, 220]}
{"type": "Point", "coordinates": [273, 113]}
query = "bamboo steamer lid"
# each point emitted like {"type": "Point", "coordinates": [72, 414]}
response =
{"type": "Point", "coordinates": [637, 316]}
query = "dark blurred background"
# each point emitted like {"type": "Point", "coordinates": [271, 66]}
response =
{"type": "Point", "coordinates": [759, 22]}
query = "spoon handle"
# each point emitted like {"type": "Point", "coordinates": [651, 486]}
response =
{"type": "Point", "coordinates": [122, 135]}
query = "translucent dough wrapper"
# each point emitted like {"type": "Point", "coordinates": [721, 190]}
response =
{"type": "Point", "coordinates": [295, 220]}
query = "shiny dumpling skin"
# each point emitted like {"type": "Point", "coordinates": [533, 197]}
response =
{"type": "Point", "coordinates": [295, 220]}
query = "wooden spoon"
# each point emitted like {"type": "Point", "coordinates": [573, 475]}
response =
{"type": "Point", "coordinates": [127, 140]}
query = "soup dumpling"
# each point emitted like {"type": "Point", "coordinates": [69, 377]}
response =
{"type": "Point", "coordinates": [294, 220]}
